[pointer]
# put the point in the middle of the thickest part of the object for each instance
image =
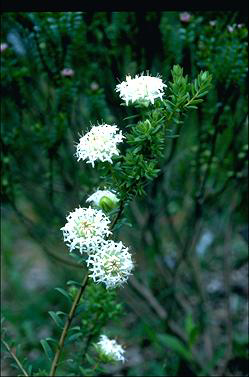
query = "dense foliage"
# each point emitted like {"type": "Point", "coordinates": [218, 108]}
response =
{"type": "Point", "coordinates": [182, 175]}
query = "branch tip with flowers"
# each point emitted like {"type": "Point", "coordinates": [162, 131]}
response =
{"type": "Point", "coordinates": [88, 231]}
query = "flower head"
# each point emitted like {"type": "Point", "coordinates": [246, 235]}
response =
{"type": "Point", "coordinates": [141, 88]}
{"type": "Point", "coordinates": [185, 16]}
{"type": "Point", "coordinates": [109, 350]}
{"type": "Point", "coordinates": [104, 199]}
{"type": "Point", "coordinates": [100, 143]}
{"type": "Point", "coordinates": [67, 72]}
{"type": "Point", "coordinates": [111, 264]}
{"type": "Point", "coordinates": [85, 229]}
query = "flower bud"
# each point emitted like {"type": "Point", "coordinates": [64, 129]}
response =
{"type": "Point", "coordinates": [104, 199]}
{"type": "Point", "coordinates": [107, 204]}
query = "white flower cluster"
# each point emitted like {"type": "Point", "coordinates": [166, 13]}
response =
{"type": "Point", "coordinates": [85, 229]}
{"type": "Point", "coordinates": [110, 350]}
{"type": "Point", "coordinates": [100, 143]}
{"type": "Point", "coordinates": [141, 88]}
{"type": "Point", "coordinates": [111, 264]}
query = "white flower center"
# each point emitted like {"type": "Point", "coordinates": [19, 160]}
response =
{"type": "Point", "coordinates": [112, 265]}
{"type": "Point", "coordinates": [84, 228]}
{"type": "Point", "coordinates": [99, 140]}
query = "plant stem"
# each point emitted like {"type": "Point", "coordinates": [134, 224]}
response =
{"type": "Point", "coordinates": [192, 99]}
{"type": "Point", "coordinates": [15, 358]}
{"type": "Point", "coordinates": [67, 325]}
{"type": "Point", "coordinates": [121, 208]}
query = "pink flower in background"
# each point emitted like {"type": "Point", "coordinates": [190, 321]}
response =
{"type": "Point", "coordinates": [230, 29]}
{"type": "Point", "coordinates": [3, 46]}
{"type": "Point", "coordinates": [67, 72]}
{"type": "Point", "coordinates": [239, 26]}
{"type": "Point", "coordinates": [185, 16]}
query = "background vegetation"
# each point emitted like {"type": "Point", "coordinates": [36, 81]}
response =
{"type": "Point", "coordinates": [185, 308]}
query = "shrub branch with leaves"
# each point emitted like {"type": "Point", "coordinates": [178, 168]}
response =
{"type": "Point", "coordinates": [124, 173]}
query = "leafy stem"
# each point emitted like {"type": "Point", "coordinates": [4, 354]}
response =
{"type": "Point", "coordinates": [197, 94]}
{"type": "Point", "coordinates": [14, 357]}
{"type": "Point", "coordinates": [67, 325]}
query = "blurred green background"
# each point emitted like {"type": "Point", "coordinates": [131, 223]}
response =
{"type": "Point", "coordinates": [186, 309]}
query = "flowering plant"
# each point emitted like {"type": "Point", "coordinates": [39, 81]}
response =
{"type": "Point", "coordinates": [127, 162]}
{"type": "Point", "coordinates": [159, 226]}
{"type": "Point", "coordinates": [125, 175]}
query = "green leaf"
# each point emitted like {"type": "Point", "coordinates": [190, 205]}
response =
{"type": "Point", "coordinates": [61, 313]}
{"type": "Point", "coordinates": [195, 101]}
{"type": "Point", "coordinates": [86, 371]}
{"type": "Point", "coordinates": [176, 345]}
{"type": "Point", "coordinates": [41, 372]}
{"type": "Point", "coordinates": [202, 94]}
{"type": "Point", "coordinates": [172, 136]}
{"type": "Point", "coordinates": [73, 337]}
{"type": "Point", "coordinates": [72, 282]}
{"type": "Point", "coordinates": [191, 329]}
{"type": "Point", "coordinates": [81, 308]}
{"type": "Point", "coordinates": [49, 339]}
{"type": "Point", "coordinates": [47, 349]}
{"type": "Point", "coordinates": [29, 370]}
{"type": "Point", "coordinates": [90, 359]}
{"type": "Point", "coordinates": [137, 149]}
{"type": "Point", "coordinates": [64, 293]}
{"type": "Point", "coordinates": [75, 328]}
{"type": "Point", "coordinates": [192, 89]}
{"type": "Point", "coordinates": [131, 117]}
{"type": "Point", "coordinates": [56, 318]}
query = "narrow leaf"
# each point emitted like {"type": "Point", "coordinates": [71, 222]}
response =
{"type": "Point", "coordinates": [202, 94]}
{"type": "Point", "coordinates": [56, 318]}
{"type": "Point", "coordinates": [49, 339]}
{"type": "Point", "coordinates": [73, 337]}
{"type": "Point", "coordinates": [75, 328]}
{"type": "Point", "coordinates": [72, 282]}
{"type": "Point", "coordinates": [64, 293]}
{"type": "Point", "coordinates": [90, 359]}
{"type": "Point", "coordinates": [47, 349]}
{"type": "Point", "coordinates": [132, 117]}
